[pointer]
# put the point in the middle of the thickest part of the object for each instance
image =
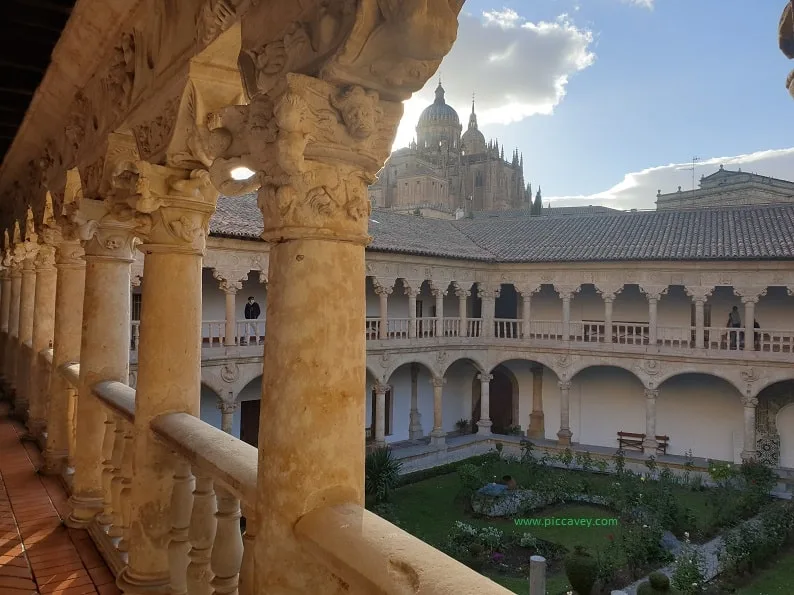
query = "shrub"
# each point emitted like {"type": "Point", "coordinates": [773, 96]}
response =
{"type": "Point", "coordinates": [619, 458]}
{"type": "Point", "coordinates": [499, 448]}
{"type": "Point", "coordinates": [463, 426]}
{"type": "Point", "coordinates": [642, 546]}
{"type": "Point", "coordinates": [381, 474]}
{"type": "Point", "coordinates": [584, 460]}
{"type": "Point", "coordinates": [582, 570]}
{"type": "Point", "coordinates": [608, 562]}
{"type": "Point", "coordinates": [527, 448]}
{"type": "Point", "coordinates": [688, 575]}
{"type": "Point", "coordinates": [758, 476]}
{"type": "Point", "coordinates": [528, 541]}
{"type": "Point", "coordinates": [601, 465]}
{"type": "Point", "coordinates": [657, 584]}
{"type": "Point", "coordinates": [465, 540]}
{"type": "Point", "coordinates": [566, 457]}
{"type": "Point", "coordinates": [471, 477]}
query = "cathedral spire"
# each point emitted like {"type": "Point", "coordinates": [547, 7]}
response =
{"type": "Point", "coordinates": [440, 93]}
{"type": "Point", "coordinates": [473, 116]}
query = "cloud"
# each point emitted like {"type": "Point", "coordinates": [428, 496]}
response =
{"type": "Point", "coordinates": [644, 3]}
{"type": "Point", "coordinates": [638, 190]}
{"type": "Point", "coordinates": [517, 69]}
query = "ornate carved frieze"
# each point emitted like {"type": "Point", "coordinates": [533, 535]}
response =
{"type": "Point", "coordinates": [654, 292]}
{"type": "Point", "coordinates": [608, 290]}
{"type": "Point", "coordinates": [750, 294]}
{"type": "Point", "coordinates": [699, 293]}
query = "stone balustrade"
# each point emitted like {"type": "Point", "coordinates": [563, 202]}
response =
{"type": "Point", "coordinates": [215, 479]}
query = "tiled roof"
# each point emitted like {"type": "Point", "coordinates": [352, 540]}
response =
{"type": "Point", "coordinates": [547, 211]}
{"type": "Point", "coordinates": [762, 232]}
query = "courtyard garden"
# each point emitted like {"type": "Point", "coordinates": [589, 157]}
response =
{"type": "Point", "coordinates": [599, 525]}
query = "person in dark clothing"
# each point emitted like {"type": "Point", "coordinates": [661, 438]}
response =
{"type": "Point", "coordinates": [252, 312]}
{"type": "Point", "coordinates": [734, 321]}
{"type": "Point", "coordinates": [756, 336]}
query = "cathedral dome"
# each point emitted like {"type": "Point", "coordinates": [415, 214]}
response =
{"type": "Point", "coordinates": [439, 112]}
{"type": "Point", "coordinates": [473, 141]}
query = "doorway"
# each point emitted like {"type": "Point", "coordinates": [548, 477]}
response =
{"type": "Point", "coordinates": [249, 422]}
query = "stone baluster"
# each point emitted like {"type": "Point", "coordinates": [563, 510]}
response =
{"type": "Point", "coordinates": [749, 450]}
{"type": "Point", "coordinates": [383, 291]}
{"type": "Point", "coordinates": [201, 536]}
{"type": "Point", "coordinates": [380, 413]}
{"type": "Point", "coordinates": [169, 357]}
{"type": "Point", "coordinates": [69, 294]}
{"type": "Point", "coordinates": [105, 344]}
{"type": "Point", "coordinates": [649, 444]}
{"type": "Point", "coordinates": [415, 418]}
{"type": "Point", "coordinates": [314, 172]}
{"type": "Point", "coordinates": [227, 552]}
{"type": "Point", "coordinates": [412, 291]}
{"type": "Point", "coordinates": [537, 427]}
{"type": "Point", "coordinates": [43, 332]}
{"type": "Point", "coordinates": [13, 320]}
{"type": "Point", "coordinates": [181, 510]}
{"type": "Point", "coordinates": [463, 311]}
{"type": "Point", "coordinates": [484, 424]}
{"type": "Point", "coordinates": [565, 434]}
{"type": "Point", "coordinates": [247, 583]}
{"type": "Point", "coordinates": [750, 297]}
{"type": "Point", "coordinates": [105, 518]}
{"type": "Point", "coordinates": [126, 488]}
{"type": "Point", "coordinates": [437, 434]}
{"type": "Point", "coordinates": [699, 295]}
{"type": "Point", "coordinates": [115, 532]}
{"type": "Point", "coordinates": [27, 304]}
{"type": "Point", "coordinates": [438, 291]}
{"type": "Point", "coordinates": [5, 309]}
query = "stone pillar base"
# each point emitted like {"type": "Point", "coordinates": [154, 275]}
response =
{"type": "Point", "coordinates": [484, 427]}
{"type": "Point", "coordinates": [134, 585]}
{"type": "Point", "coordinates": [36, 427]}
{"type": "Point", "coordinates": [54, 462]}
{"type": "Point", "coordinates": [415, 428]}
{"type": "Point", "coordinates": [749, 455]}
{"type": "Point", "coordinates": [83, 511]}
{"type": "Point", "coordinates": [564, 437]}
{"type": "Point", "coordinates": [438, 438]}
{"type": "Point", "coordinates": [537, 425]}
{"type": "Point", "coordinates": [649, 446]}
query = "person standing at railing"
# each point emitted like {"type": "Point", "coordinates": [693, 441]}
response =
{"type": "Point", "coordinates": [252, 312]}
{"type": "Point", "coordinates": [734, 321]}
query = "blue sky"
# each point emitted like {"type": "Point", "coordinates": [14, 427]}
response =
{"type": "Point", "coordinates": [616, 96]}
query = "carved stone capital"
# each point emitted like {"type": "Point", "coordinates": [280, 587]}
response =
{"type": "Point", "coordinates": [485, 377]}
{"type": "Point", "coordinates": [412, 288]}
{"type": "Point", "coordinates": [383, 286]}
{"type": "Point", "coordinates": [438, 289]}
{"type": "Point", "coordinates": [230, 281]}
{"type": "Point", "coordinates": [488, 291]}
{"type": "Point", "coordinates": [564, 385]}
{"type": "Point", "coordinates": [528, 289]}
{"type": "Point", "coordinates": [750, 294]}
{"type": "Point", "coordinates": [608, 291]}
{"type": "Point", "coordinates": [654, 292]}
{"type": "Point", "coordinates": [45, 259]}
{"type": "Point", "coordinates": [651, 393]}
{"type": "Point", "coordinates": [178, 203]}
{"type": "Point", "coordinates": [381, 388]}
{"type": "Point", "coordinates": [70, 254]}
{"type": "Point", "coordinates": [567, 291]}
{"type": "Point", "coordinates": [462, 293]}
{"type": "Point", "coordinates": [437, 382]}
{"type": "Point", "coordinates": [226, 407]}
{"type": "Point", "coordinates": [749, 401]}
{"type": "Point", "coordinates": [699, 293]}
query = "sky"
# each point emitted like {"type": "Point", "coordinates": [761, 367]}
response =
{"type": "Point", "coordinates": [610, 100]}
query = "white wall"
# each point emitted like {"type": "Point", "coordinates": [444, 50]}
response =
{"type": "Point", "coordinates": [210, 413]}
{"type": "Point", "coordinates": [214, 300]}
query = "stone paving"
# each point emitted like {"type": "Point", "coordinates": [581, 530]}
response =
{"type": "Point", "coordinates": [38, 553]}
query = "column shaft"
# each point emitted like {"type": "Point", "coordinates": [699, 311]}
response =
{"type": "Point", "coordinates": [231, 319]}
{"type": "Point", "coordinates": [749, 318]}
{"type": "Point", "coordinates": [411, 314]}
{"type": "Point", "coordinates": [565, 434]}
{"type": "Point", "coordinates": [5, 312]}
{"type": "Point", "coordinates": [415, 421]}
{"type": "Point", "coordinates": [608, 320]}
{"type": "Point", "coordinates": [43, 329]}
{"type": "Point", "coordinates": [437, 435]}
{"type": "Point", "coordinates": [383, 327]}
{"type": "Point", "coordinates": [484, 425]}
{"type": "Point", "coordinates": [12, 346]}
{"type": "Point", "coordinates": [463, 315]}
{"type": "Point", "coordinates": [439, 295]}
{"type": "Point", "coordinates": [380, 414]}
{"type": "Point", "coordinates": [526, 316]}
{"type": "Point", "coordinates": [104, 355]}
{"type": "Point", "coordinates": [27, 297]}
{"type": "Point", "coordinates": [69, 294]}
{"type": "Point", "coordinates": [566, 317]}
{"type": "Point", "coordinates": [749, 450]}
{"type": "Point", "coordinates": [699, 321]}
{"type": "Point", "coordinates": [652, 324]}
{"type": "Point", "coordinates": [537, 428]}
{"type": "Point", "coordinates": [649, 444]}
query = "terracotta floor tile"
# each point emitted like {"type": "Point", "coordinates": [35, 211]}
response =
{"type": "Point", "coordinates": [13, 561]}
{"type": "Point", "coordinates": [102, 576]}
{"type": "Point", "coordinates": [73, 580]}
{"type": "Point", "coordinates": [108, 590]}
{"type": "Point", "coordinates": [81, 590]}
{"type": "Point", "coordinates": [17, 571]}
{"type": "Point", "coordinates": [16, 583]}
{"type": "Point", "coordinates": [44, 573]}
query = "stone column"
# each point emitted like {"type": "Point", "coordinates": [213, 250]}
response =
{"type": "Point", "coordinates": [415, 422]}
{"type": "Point", "coordinates": [43, 330]}
{"type": "Point", "coordinates": [383, 293]}
{"type": "Point", "coordinates": [314, 172]}
{"type": "Point", "coordinates": [526, 314]}
{"type": "Point", "coordinates": [27, 304]}
{"type": "Point", "coordinates": [463, 311]}
{"type": "Point", "coordinates": [412, 292]}
{"type": "Point", "coordinates": [169, 356]}
{"type": "Point", "coordinates": [380, 413]}
{"type": "Point", "coordinates": [750, 297]}
{"type": "Point", "coordinates": [104, 347]}
{"type": "Point", "coordinates": [565, 434]}
{"type": "Point", "coordinates": [699, 295]}
{"type": "Point", "coordinates": [537, 425]}
{"type": "Point", "coordinates": [5, 310]}
{"type": "Point", "coordinates": [652, 324]}
{"type": "Point", "coordinates": [488, 292]}
{"type": "Point", "coordinates": [439, 292]}
{"type": "Point", "coordinates": [609, 298]}
{"type": "Point", "coordinates": [230, 291]}
{"type": "Point", "coordinates": [13, 324]}
{"type": "Point", "coordinates": [69, 294]}
{"type": "Point", "coordinates": [437, 435]}
{"type": "Point", "coordinates": [566, 294]}
{"type": "Point", "coordinates": [749, 450]}
{"type": "Point", "coordinates": [484, 425]}
{"type": "Point", "coordinates": [227, 415]}
{"type": "Point", "coordinates": [649, 444]}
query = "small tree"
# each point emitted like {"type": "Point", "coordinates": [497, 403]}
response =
{"type": "Point", "coordinates": [382, 472]}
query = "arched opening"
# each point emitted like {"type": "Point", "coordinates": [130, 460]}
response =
{"type": "Point", "coordinates": [210, 412]}
{"type": "Point", "coordinates": [250, 401]}
{"type": "Point", "coordinates": [774, 424]}
{"type": "Point", "coordinates": [703, 414]}
{"type": "Point", "coordinates": [408, 412]}
{"type": "Point", "coordinates": [502, 402]}
{"type": "Point", "coordinates": [605, 400]}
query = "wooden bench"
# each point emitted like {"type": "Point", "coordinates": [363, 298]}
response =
{"type": "Point", "coordinates": [632, 441]}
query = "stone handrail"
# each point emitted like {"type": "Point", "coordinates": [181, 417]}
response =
{"type": "Point", "coordinates": [118, 397]}
{"type": "Point", "coordinates": [71, 372]}
{"type": "Point", "coordinates": [212, 452]}
{"type": "Point", "coordinates": [374, 556]}
{"type": "Point", "coordinates": [46, 355]}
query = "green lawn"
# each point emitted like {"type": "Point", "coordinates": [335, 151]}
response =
{"type": "Point", "coordinates": [777, 580]}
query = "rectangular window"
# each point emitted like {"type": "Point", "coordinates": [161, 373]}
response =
{"type": "Point", "coordinates": [136, 306]}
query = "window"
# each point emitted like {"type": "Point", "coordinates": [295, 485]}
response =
{"type": "Point", "coordinates": [136, 306]}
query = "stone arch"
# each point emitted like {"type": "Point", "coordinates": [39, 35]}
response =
{"type": "Point", "coordinates": [424, 359]}
{"type": "Point", "coordinates": [578, 369]}
{"type": "Point", "coordinates": [497, 358]}
{"type": "Point", "coordinates": [763, 384]}
{"type": "Point", "coordinates": [658, 382]}
{"type": "Point", "coordinates": [476, 363]}
{"type": "Point", "coordinates": [775, 447]}
{"type": "Point", "coordinates": [504, 395]}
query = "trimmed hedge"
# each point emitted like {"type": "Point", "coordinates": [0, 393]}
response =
{"type": "Point", "coordinates": [417, 476]}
